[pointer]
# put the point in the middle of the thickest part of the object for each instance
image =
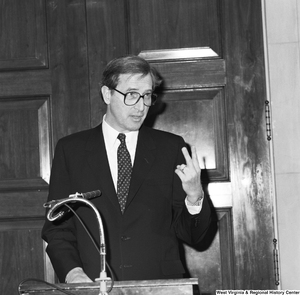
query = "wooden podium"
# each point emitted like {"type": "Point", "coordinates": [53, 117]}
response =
{"type": "Point", "coordinates": [155, 287]}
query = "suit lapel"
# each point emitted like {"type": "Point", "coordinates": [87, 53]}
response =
{"type": "Point", "coordinates": [97, 159]}
{"type": "Point", "coordinates": [144, 158]}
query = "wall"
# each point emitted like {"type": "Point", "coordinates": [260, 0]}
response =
{"type": "Point", "coordinates": [282, 42]}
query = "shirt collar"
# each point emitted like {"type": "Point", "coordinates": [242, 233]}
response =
{"type": "Point", "coordinates": [110, 135]}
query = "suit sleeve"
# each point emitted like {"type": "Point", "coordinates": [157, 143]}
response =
{"type": "Point", "coordinates": [189, 228]}
{"type": "Point", "coordinates": [60, 235]}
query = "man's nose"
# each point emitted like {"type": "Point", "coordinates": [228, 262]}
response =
{"type": "Point", "coordinates": [140, 104]}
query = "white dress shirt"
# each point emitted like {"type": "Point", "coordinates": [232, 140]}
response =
{"type": "Point", "coordinates": [112, 143]}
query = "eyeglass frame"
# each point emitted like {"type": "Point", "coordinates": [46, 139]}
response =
{"type": "Point", "coordinates": [141, 96]}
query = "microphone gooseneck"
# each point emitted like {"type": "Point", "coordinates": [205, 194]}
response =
{"type": "Point", "coordinates": [84, 198]}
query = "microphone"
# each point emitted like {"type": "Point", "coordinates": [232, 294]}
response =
{"type": "Point", "coordinates": [91, 195]}
{"type": "Point", "coordinates": [87, 196]}
{"type": "Point", "coordinates": [53, 205]}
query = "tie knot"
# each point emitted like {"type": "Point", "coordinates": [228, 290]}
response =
{"type": "Point", "coordinates": [122, 137]}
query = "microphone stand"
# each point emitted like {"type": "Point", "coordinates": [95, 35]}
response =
{"type": "Point", "coordinates": [55, 204]}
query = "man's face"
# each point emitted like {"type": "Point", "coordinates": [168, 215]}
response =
{"type": "Point", "coordinates": [121, 117]}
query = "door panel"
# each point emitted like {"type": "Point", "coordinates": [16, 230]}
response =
{"type": "Point", "coordinates": [192, 104]}
{"type": "Point", "coordinates": [172, 24]}
{"type": "Point", "coordinates": [23, 35]}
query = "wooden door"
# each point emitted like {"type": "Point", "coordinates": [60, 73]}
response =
{"type": "Point", "coordinates": [210, 54]}
{"type": "Point", "coordinates": [44, 95]}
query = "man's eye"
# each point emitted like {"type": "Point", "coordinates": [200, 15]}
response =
{"type": "Point", "coordinates": [132, 95]}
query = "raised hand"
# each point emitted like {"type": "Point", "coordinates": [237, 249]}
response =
{"type": "Point", "coordinates": [190, 175]}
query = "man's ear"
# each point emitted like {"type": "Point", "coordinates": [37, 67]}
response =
{"type": "Point", "coordinates": [106, 94]}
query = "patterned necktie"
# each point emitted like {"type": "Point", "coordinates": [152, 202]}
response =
{"type": "Point", "coordinates": [124, 172]}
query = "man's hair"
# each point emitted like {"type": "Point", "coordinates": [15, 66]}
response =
{"type": "Point", "coordinates": [128, 65]}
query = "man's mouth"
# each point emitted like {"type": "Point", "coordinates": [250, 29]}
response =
{"type": "Point", "coordinates": [137, 118]}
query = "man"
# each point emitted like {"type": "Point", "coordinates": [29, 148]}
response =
{"type": "Point", "coordinates": [164, 201]}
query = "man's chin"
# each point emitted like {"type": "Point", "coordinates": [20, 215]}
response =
{"type": "Point", "coordinates": [136, 125]}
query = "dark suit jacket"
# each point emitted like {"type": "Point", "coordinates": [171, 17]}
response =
{"type": "Point", "coordinates": [142, 243]}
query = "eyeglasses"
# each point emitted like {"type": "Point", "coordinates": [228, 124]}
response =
{"type": "Point", "coordinates": [131, 98]}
